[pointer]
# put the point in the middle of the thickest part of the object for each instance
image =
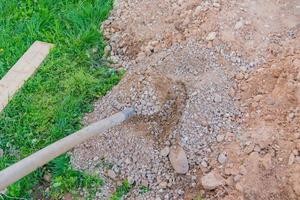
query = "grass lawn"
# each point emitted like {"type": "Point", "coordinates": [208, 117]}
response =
{"type": "Point", "coordinates": [53, 102]}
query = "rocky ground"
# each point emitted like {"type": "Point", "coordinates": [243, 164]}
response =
{"type": "Point", "coordinates": [217, 89]}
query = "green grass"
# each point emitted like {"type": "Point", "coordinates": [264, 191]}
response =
{"type": "Point", "coordinates": [53, 102]}
{"type": "Point", "coordinates": [199, 197]}
{"type": "Point", "coordinates": [143, 189]}
{"type": "Point", "coordinates": [121, 191]}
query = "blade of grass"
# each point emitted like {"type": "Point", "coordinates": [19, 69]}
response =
{"type": "Point", "coordinates": [52, 103]}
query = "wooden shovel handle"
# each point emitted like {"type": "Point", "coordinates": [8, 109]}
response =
{"type": "Point", "coordinates": [24, 167]}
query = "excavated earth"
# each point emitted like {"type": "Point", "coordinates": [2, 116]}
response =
{"type": "Point", "coordinates": [216, 86]}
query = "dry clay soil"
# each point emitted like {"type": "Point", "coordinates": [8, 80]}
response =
{"type": "Point", "coordinates": [219, 90]}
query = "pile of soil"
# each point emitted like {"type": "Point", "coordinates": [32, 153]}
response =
{"type": "Point", "coordinates": [216, 86]}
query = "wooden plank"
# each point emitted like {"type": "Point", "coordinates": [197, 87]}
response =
{"type": "Point", "coordinates": [22, 71]}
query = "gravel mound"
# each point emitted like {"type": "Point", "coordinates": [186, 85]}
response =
{"type": "Point", "coordinates": [176, 106]}
{"type": "Point", "coordinates": [184, 80]}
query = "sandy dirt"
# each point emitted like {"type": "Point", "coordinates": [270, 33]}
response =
{"type": "Point", "coordinates": [217, 87]}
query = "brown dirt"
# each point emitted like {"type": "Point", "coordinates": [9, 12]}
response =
{"type": "Point", "coordinates": [269, 96]}
{"type": "Point", "coordinates": [236, 93]}
{"type": "Point", "coordinates": [170, 98]}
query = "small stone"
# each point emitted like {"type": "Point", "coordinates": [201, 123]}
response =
{"type": "Point", "coordinates": [222, 158]}
{"type": "Point", "coordinates": [96, 158]}
{"type": "Point", "coordinates": [165, 151]}
{"type": "Point", "coordinates": [239, 76]}
{"type": "Point", "coordinates": [296, 62]}
{"type": "Point", "coordinates": [94, 50]}
{"type": "Point", "coordinates": [180, 192]}
{"type": "Point", "coordinates": [244, 87]}
{"type": "Point", "coordinates": [231, 92]}
{"type": "Point", "coordinates": [229, 181]}
{"type": "Point", "coordinates": [166, 196]}
{"type": "Point", "coordinates": [127, 161]}
{"type": "Point", "coordinates": [236, 178]}
{"type": "Point", "coordinates": [114, 59]}
{"type": "Point", "coordinates": [1, 153]}
{"type": "Point", "coordinates": [107, 51]}
{"type": "Point", "coordinates": [229, 136]}
{"type": "Point", "coordinates": [194, 178]}
{"type": "Point", "coordinates": [167, 143]}
{"type": "Point", "coordinates": [130, 180]}
{"type": "Point", "coordinates": [243, 170]}
{"type": "Point", "coordinates": [204, 163]}
{"type": "Point", "coordinates": [257, 148]}
{"type": "Point", "coordinates": [216, 5]}
{"type": "Point", "coordinates": [249, 149]}
{"type": "Point", "coordinates": [258, 97]}
{"type": "Point", "coordinates": [149, 50]}
{"type": "Point", "coordinates": [267, 161]}
{"type": "Point", "coordinates": [217, 98]}
{"type": "Point", "coordinates": [116, 168]}
{"type": "Point", "coordinates": [47, 177]}
{"type": "Point", "coordinates": [228, 170]}
{"type": "Point", "coordinates": [154, 43]}
{"type": "Point", "coordinates": [212, 180]}
{"type": "Point", "coordinates": [197, 10]}
{"type": "Point", "coordinates": [239, 25]}
{"type": "Point", "coordinates": [220, 138]}
{"type": "Point", "coordinates": [291, 116]}
{"type": "Point", "coordinates": [163, 185]}
{"type": "Point", "coordinates": [211, 36]}
{"type": "Point", "coordinates": [111, 174]}
{"type": "Point", "coordinates": [254, 104]}
{"type": "Point", "coordinates": [291, 159]}
{"type": "Point", "coordinates": [178, 159]}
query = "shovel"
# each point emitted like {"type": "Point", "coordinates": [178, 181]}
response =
{"type": "Point", "coordinates": [24, 167]}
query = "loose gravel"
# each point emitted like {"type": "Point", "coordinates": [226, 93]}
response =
{"type": "Point", "coordinates": [182, 81]}
{"type": "Point", "coordinates": [189, 106]}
